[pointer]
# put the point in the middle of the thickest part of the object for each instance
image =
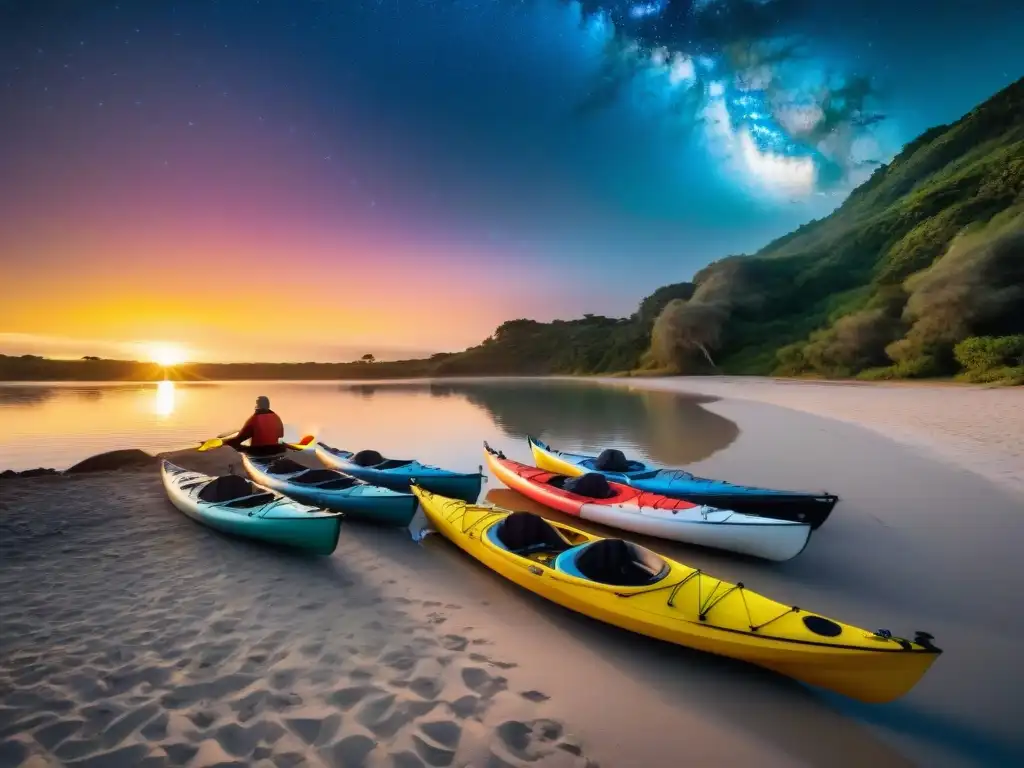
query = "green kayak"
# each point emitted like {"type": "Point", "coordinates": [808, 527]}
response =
{"type": "Point", "coordinates": [231, 504]}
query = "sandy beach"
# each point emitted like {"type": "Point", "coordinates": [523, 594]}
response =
{"type": "Point", "coordinates": [133, 636]}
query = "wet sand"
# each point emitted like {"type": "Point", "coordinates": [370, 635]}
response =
{"type": "Point", "coordinates": [980, 428]}
{"type": "Point", "coordinates": [130, 635]}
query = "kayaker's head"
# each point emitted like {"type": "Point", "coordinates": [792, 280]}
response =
{"type": "Point", "coordinates": [262, 403]}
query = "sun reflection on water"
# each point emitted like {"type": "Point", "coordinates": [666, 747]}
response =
{"type": "Point", "coordinates": [164, 405]}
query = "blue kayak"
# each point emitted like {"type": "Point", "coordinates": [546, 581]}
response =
{"type": "Point", "coordinates": [333, 490]}
{"type": "Point", "coordinates": [800, 506]}
{"type": "Point", "coordinates": [398, 474]}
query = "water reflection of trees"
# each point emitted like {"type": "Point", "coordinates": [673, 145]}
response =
{"type": "Point", "coordinates": [89, 394]}
{"type": "Point", "coordinates": [671, 428]}
{"type": "Point", "coordinates": [25, 394]}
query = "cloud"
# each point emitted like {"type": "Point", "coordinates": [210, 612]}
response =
{"type": "Point", "coordinates": [681, 70]}
{"type": "Point", "coordinates": [774, 173]}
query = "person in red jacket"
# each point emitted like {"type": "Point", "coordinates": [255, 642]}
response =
{"type": "Point", "coordinates": [263, 430]}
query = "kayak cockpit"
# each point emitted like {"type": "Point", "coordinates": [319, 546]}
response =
{"type": "Point", "coordinates": [370, 459]}
{"type": "Point", "coordinates": [613, 562]}
{"type": "Point", "coordinates": [613, 460]}
{"type": "Point", "coordinates": [234, 491]}
{"type": "Point", "coordinates": [592, 485]}
{"type": "Point", "coordinates": [532, 537]}
{"type": "Point", "coordinates": [523, 532]}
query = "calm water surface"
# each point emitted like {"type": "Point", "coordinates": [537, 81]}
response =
{"type": "Point", "coordinates": [56, 425]}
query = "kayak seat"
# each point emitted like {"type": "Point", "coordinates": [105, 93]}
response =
{"type": "Point", "coordinates": [524, 532]}
{"type": "Point", "coordinates": [611, 460]}
{"type": "Point", "coordinates": [593, 485]}
{"type": "Point", "coordinates": [226, 488]}
{"type": "Point", "coordinates": [367, 458]}
{"type": "Point", "coordinates": [620, 563]}
{"type": "Point", "coordinates": [284, 466]}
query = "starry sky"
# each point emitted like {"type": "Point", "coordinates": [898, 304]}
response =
{"type": "Point", "coordinates": [316, 179]}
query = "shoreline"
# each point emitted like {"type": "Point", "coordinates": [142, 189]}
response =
{"type": "Point", "coordinates": [979, 428]}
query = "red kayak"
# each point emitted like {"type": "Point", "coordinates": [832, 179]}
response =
{"type": "Point", "coordinates": [593, 497]}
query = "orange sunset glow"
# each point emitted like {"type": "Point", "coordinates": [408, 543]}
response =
{"type": "Point", "coordinates": [319, 303]}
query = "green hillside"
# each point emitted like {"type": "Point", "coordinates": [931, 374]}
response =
{"type": "Point", "coordinates": [919, 273]}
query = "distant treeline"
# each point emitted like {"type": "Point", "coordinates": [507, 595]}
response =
{"type": "Point", "coordinates": [32, 368]}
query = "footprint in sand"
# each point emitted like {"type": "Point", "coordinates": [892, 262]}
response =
{"type": "Point", "coordinates": [346, 698]}
{"type": "Point", "coordinates": [406, 759]}
{"type": "Point", "coordinates": [402, 659]}
{"type": "Point", "coordinates": [534, 696]}
{"type": "Point", "coordinates": [203, 718]}
{"type": "Point", "coordinates": [426, 687]}
{"type": "Point", "coordinates": [385, 717]}
{"type": "Point", "coordinates": [437, 742]}
{"type": "Point", "coordinates": [242, 742]}
{"type": "Point", "coordinates": [350, 752]}
{"type": "Point", "coordinates": [180, 752]}
{"type": "Point", "coordinates": [531, 741]}
{"type": "Point", "coordinates": [315, 730]}
{"type": "Point", "coordinates": [283, 678]}
{"type": "Point", "coordinates": [467, 706]}
{"type": "Point", "coordinates": [482, 682]}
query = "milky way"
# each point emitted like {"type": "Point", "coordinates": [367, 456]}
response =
{"type": "Point", "coordinates": [739, 69]}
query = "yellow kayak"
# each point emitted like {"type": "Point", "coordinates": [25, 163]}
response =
{"type": "Point", "coordinates": [621, 583]}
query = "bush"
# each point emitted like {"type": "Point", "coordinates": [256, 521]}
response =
{"type": "Point", "coordinates": [979, 354]}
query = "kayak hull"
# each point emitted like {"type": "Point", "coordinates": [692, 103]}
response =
{"type": "Point", "coordinates": [359, 501]}
{"type": "Point", "coordinates": [455, 485]}
{"type": "Point", "coordinates": [279, 520]}
{"type": "Point", "coordinates": [655, 515]}
{"type": "Point", "coordinates": [798, 506]}
{"type": "Point", "coordinates": [856, 663]}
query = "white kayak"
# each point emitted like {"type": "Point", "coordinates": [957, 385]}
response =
{"type": "Point", "coordinates": [593, 497]}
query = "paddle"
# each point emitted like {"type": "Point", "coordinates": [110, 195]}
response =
{"type": "Point", "coordinates": [303, 445]}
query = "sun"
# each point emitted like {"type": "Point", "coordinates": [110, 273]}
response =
{"type": "Point", "coordinates": [166, 355]}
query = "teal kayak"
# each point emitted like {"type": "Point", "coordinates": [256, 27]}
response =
{"type": "Point", "coordinates": [334, 490]}
{"type": "Point", "coordinates": [399, 474]}
{"type": "Point", "coordinates": [231, 504]}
